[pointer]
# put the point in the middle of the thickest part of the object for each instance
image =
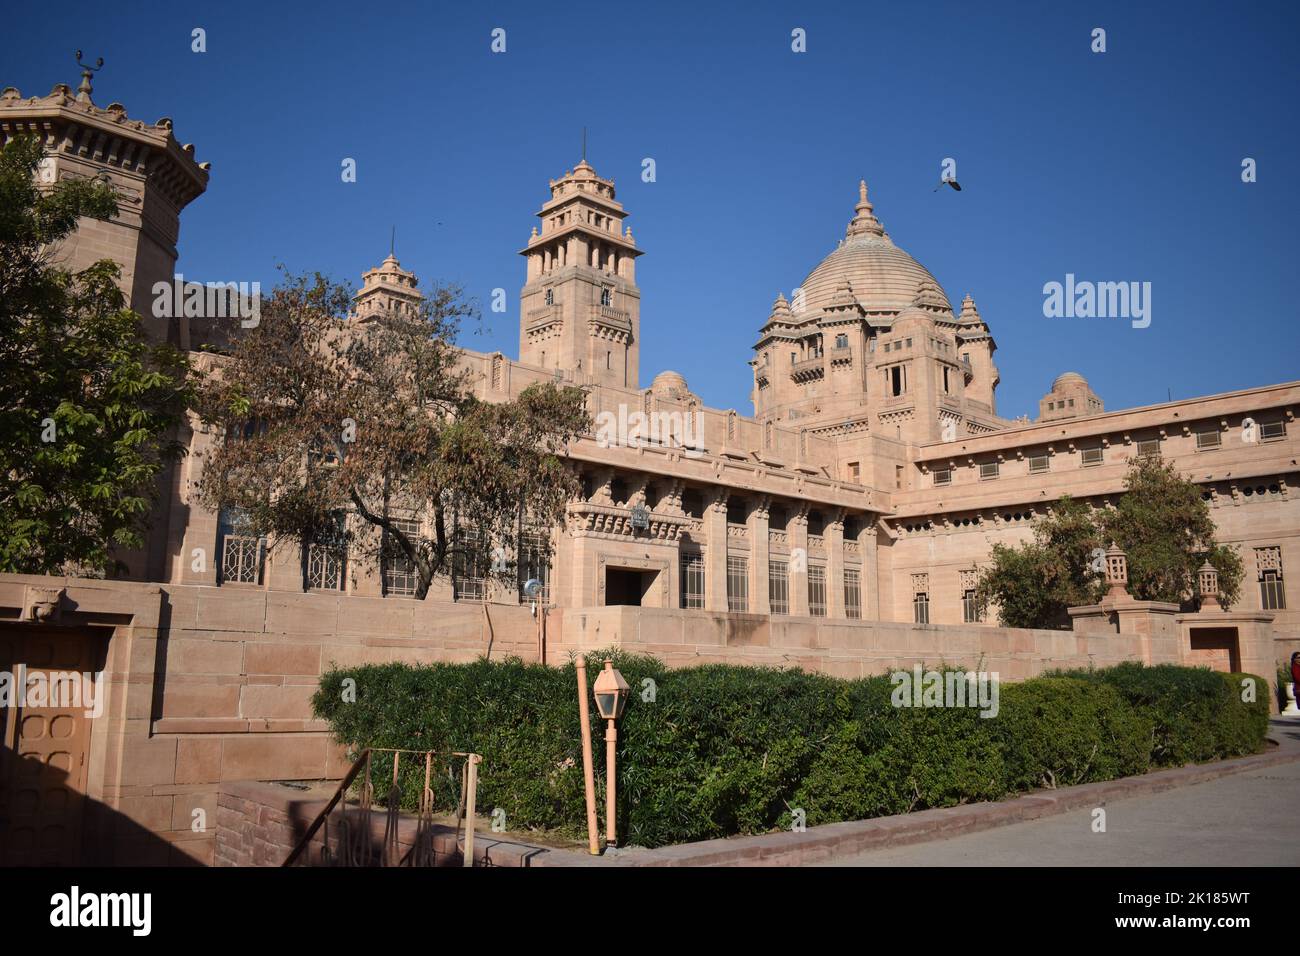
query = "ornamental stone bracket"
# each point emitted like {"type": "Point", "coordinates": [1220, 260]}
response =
{"type": "Point", "coordinates": [43, 605]}
{"type": "Point", "coordinates": [615, 521]}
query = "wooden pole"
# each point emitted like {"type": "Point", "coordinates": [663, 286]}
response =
{"type": "Point", "coordinates": [471, 799]}
{"type": "Point", "coordinates": [611, 749]}
{"type": "Point", "coordinates": [588, 771]}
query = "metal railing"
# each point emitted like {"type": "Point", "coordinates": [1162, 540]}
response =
{"type": "Point", "coordinates": [354, 844]}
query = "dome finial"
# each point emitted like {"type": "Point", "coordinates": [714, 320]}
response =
{"type": "Point", "coordinates": [864, 222]}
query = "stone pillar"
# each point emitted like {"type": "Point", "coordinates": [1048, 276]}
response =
{"type": "Point", "coordinates": [834, 538]}
{"type": "Point", "coordinates": [715, 550]}
{"type": "Point", "coordinates": [759, 549]}
{"type": "Point", "coordinates": [870, 570]}
{"type": "Point", "coordinates": [798, 531]}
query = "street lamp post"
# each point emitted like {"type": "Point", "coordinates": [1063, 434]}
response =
{"type": "Point", "coordinates": [610, 690]}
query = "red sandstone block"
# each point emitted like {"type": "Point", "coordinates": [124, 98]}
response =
{"type": "Point", "coordinates": [282, 659]}
{"type": "Point", "coordinates": [198, 760]}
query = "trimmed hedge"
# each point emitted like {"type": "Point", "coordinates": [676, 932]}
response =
{"type": "Point", "coordinates": [1198, 714]}
{"type": "Point", "coordinates": [719, 750]}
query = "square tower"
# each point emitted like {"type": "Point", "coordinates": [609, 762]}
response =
{"type": "Point", "coordinates": [580, 308]}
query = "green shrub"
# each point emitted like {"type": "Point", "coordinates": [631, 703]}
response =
{"type": "Point", "coordinates": [723, 750]}
{"type": "Point", "coordinates": [1197, 713]}
{"type": "Point", "coordinates": [1062, 731]}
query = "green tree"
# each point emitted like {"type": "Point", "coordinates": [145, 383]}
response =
{"type": "Point", "coordinates": [89, 407]}
{"type": "Point", "coordinates": [327, 415]}
{"type": "Point", "coordinates": [1162, 524]}
{"type": "Point", "coordinates": [1035, 583]}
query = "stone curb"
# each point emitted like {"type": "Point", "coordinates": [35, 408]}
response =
{"type": "Point", "coordinates": [821, 844]}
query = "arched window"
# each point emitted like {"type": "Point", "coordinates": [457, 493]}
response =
{"type": "Point", "coordinates": [550, 297]}
{"type": "Point", "coordinates": [604, 297]}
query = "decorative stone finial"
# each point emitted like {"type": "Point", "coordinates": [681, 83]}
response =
{"type": "Point", "coordinates": [969, 314]}
{"type": "Point", "coordinates": [929, 296]}
{"type": "Point", "coordinates": [864, 222]}
{"type": "Point", "coordinates": [780, 308]}
{"type": "Point", "coordinates": [85, 89]}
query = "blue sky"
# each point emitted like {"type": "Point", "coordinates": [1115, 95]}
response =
{"type": "Point", "coordinates": [1122, 166]}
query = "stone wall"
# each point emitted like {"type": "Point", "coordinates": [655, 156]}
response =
{"type": "Point", "coordinates": [203, 686]}
{"type": "Point", "coordinates": [842, 648]}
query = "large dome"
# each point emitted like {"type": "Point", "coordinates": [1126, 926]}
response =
{"type": "Point", "coordinates": [882, 276]}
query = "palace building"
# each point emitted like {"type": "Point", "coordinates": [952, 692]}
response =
{"type": "Point", "coordinates": [838, 524]}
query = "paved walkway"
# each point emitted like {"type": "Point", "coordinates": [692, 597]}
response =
{"type": "Point", "coordinates": [1247, 819]}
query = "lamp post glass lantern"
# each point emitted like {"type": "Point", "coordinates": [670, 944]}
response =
{"type": "Point", "coordinates": [610, 690]}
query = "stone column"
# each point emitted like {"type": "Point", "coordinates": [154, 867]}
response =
{"type": "Point", "coordinates": [833, 536]}
{"type": "Point", "coordinates": [870, 570]}
{"type": "Point", "coordinates": [798, 531]}
{"type": "Point", "coordinates": [715, 550]}
{"type": "Point", "coordinates": [759, 547]}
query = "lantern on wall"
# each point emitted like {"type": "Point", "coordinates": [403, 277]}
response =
{"type": "Point", "coordinates": [1208, 585]}
{"type": "Point", "coordinates": [1116, 572]}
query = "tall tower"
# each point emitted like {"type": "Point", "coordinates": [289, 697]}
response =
{"type": "Point", "coordinates": [580, 308]}
{"type": "Point", "coordinates": [154, 176]}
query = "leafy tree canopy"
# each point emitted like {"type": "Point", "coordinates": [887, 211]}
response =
{"type": "Point", "coordinates": [89, 407]}
{"type": "Point", "coordinates": [1160, 522]}
{"type": "Point", "coordinates": [326, 414]}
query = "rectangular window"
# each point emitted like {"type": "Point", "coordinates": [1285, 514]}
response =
{"type": "Point", "coordinates": [242, 555]}
{"type": "Point", "coordinates": [534, 565]}
{"type": "Point", "coordinates": [1149, 448]}
{"type": "Point", "coordinates": [1272, 431]}
{"type": "Point", "coordinates": [855, 471]}
{"type": "Point", "coordinates": [1271, 595]}
{"type": "Point", "coordinates": [817, 590]}
{"type": "Point", "coordinates": [943, 476]}
{"type": "Point", "coordinates": [969, 608]}
{"type": "Point", "coordinates": [737, 583]}
{"type": "Point", "coordinates": [853, 594]}
{"type": "Point", "coordinates": [467, 566]}
{"type": "Point", "coordinates": [400, 577]}
{"type": "Point", "coordinates": [921, 608]}
{"type": "Point", "coordinates": [945, 379]}
{"type": "Point", "coordinates": [1092, 456]}
{"type": "Point", "coordinates": [988, 469]}
{"type": "Point", "coordinates": [1039, 464]}
{"type": "Point", "coordinates": [898, 476]}
{"type": "Point", "coordinates": [778, 586]}
{"type": "Point", "coordinates": [693, 581]}
{"type": "Point", "coordinates": [326, 558]}
{"type": "Point", "coordinates": [1210, 438]}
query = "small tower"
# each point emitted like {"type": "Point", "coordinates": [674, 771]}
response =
{"type": "Point", "coordinates": [976, 347]}
{"type": "Point", "coordinates": [387, 288]}
{"type": "Point", "coordinates": [580, 308]}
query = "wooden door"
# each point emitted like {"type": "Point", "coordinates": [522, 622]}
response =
{"type": "Point", "coordinates": [45, 748]}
